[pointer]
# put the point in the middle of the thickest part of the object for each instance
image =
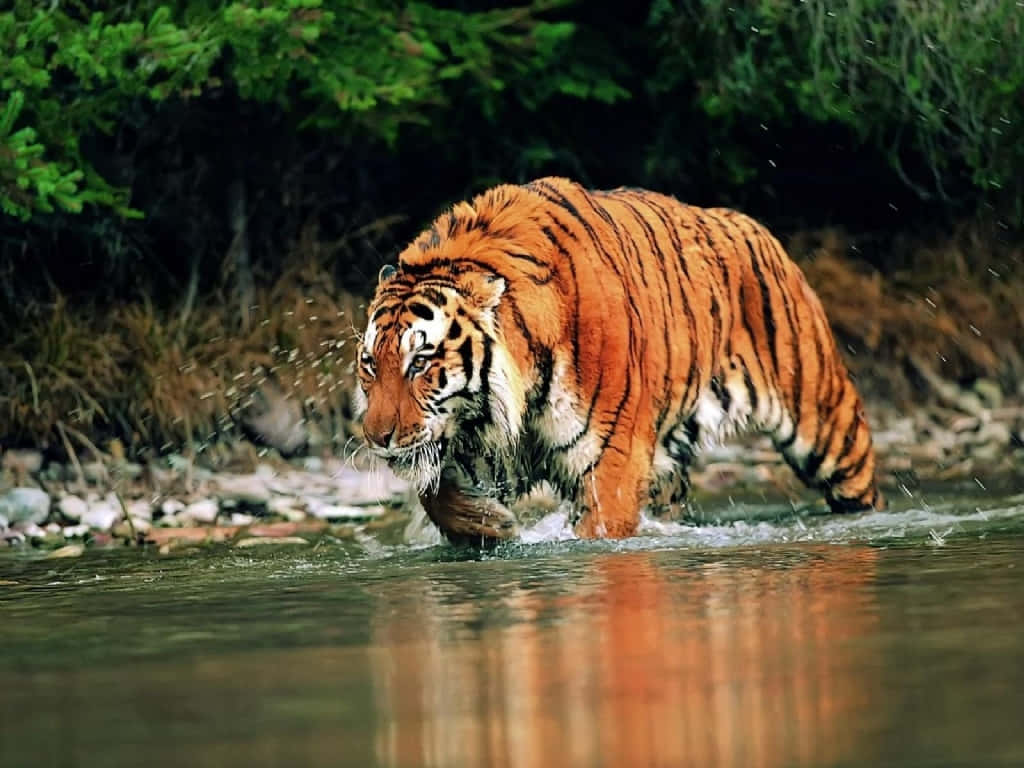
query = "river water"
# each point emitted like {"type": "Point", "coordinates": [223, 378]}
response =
{"type": "Point", "coordinates": [892, 638]}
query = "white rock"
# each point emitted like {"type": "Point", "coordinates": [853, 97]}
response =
{"type": "Point", "coordinates": [171, 507]}
{"type": "Point", "coordinates": [52, 528]}
{"type": "Point", "coordinates": [140, 509]}
{"type": "Point", "coordinates": [368, 488]}
{"type": "Point", "coordinates": [343, 512]}
{"type": "Point", "coordinates": [240, 518]}
{"type": "Point", "coordinates": [248, 489]}
{"type": "Point", "coordinates": [279, 505]}
{"type": "Point", "coordinates": [75, 531]}
{"type": "Point", "coordinates": [72, 507]}
{"type": "Point", "coordinates": [33, 531]}
{"type": "Point", "coordinates": [101, 515]}
{"type": "Point", "coordinates": [202, 511]}
{"type": "Point", "coordinates": [4, 523]}
{"type": "Point", "coordinates": [24, 505]}
{"type": "Point", "coordinates": [258, 541]}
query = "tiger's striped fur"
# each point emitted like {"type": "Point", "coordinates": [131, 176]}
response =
{"type": "Point", "coordinates": [595, 339]}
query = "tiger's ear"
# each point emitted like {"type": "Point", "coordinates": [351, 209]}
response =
{"type": "Point", "coordinates": [386, 272]}
{"type": "Point", "coordinates": [482, 289]}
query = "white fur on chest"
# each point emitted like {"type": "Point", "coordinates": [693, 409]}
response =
{"type": "Point", "coordinates": [561, 424]}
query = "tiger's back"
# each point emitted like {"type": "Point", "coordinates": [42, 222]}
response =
{"type": "Point", "coordinates": [627, 329]}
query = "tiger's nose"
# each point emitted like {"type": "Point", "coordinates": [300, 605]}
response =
{"type": "Point", "coordinates": [379, 436]}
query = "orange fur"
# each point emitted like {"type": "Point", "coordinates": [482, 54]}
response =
{"type": "Point", "coordinates": [596, 339]}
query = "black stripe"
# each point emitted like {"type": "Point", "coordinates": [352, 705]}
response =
{"type": "Point", "coordinates": [421, 310]}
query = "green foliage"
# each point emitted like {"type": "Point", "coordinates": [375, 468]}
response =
{"type": "Point", "coordinates": [343, 65]}
{"type": "Point", "coordinates": [936, 83]}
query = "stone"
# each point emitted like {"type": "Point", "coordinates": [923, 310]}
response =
{"type": "Point", "coordinates": [275, 419]}
{"type": "Point", "coordinates": [247, 489]}
{"type": "Point", "coordinates": [140, 509]}
{"type": "Point", "coordinates": [94, 471]}
{"type": "Point", "coordinates": [260, 541]}
{"type": "Point", "coordinates": [4, 523]}
{"type": "Point", "coordinates": [75, 531]}
{"type": "Point", "coordinates": [22, 462]}
{"type": "Point", "coordinates": [33, 531]}
{"type": "Point", "coordinates": [313, 464]}
{"type": "Point", "coordinates": [990, 392]}
{"type": "Point", "coordinates": [138, 527]}
{"type": "Point", "coordinates": [171, 507]}
{"type": "Point", "coordinates": [24, 505]}
{"type": "Point", "coordinates": [240, 518]}
{"type": "Point", "coordinates": [72, 507]}
{"type": "Point", "coordinates": [68, 550]}
{"type": "Point", "coordinates": [128, 470]}
{"type": "Point", "coordinates": [202, 511]}
{"type": "Point", "coordinates": [368, 488]}
{"type": "Point", "coordinates": [343, 512]}
{"type": "Point", "coordinates": [995, 433]}
{"type": "Point", "coordinates": [101, 515]}
{"type": "Point", "coordinates": [13, 537]}
{"type": "Point", "coordinates": [961, 424]}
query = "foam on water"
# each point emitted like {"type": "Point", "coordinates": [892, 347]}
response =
{"type": "Point", "coordinates": [931, 522]}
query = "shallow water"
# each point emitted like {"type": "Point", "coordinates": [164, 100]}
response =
{"type": "Point", "coordinates": [883, 639]}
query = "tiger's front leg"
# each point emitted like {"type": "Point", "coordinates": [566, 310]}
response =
{"type": "Point", "coordinates": [465, 517]}
{"type": "Point", "coordinates": [612, 493]}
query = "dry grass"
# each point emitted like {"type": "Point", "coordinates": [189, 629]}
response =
{"type": "Point", "coordinates": [157, 381]}
{"type": "Point", "coordinates": [957, 305]}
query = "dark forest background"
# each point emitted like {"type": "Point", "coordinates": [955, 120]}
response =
{"type": "Point", "coordinates": [197, 195]}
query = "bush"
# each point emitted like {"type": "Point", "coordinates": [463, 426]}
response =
{"type": "Point", "coordinates": [934, 87]}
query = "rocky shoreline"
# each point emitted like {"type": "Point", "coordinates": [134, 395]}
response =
{"type": "Point", "coordinates": [971, 435]}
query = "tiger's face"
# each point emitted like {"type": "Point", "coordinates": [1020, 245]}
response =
{"type": "Point", "coordinates": [428, 362]}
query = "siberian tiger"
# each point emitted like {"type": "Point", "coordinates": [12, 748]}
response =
{"type": "Point", "coordinates": [595, 339]}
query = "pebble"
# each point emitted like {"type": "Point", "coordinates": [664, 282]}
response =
{"type": "Point", "coordinates": [171, 507]}
{"type": "Point", "coordinates": [990, 392]}
{"type": "Point", "coordinates": [247, 489]}
{"type": "Point", "coordinates": [24, 505]}
{"type": "Point", "coordinates": [101, 515]}
{"type": "Point", "coordinates": [33, 531]}
{"type": "Point", "coordinates": [72, 507]}
{"type": "Point", "coordinates": [75, 531]}
{"type": "Point", "coordinates": [240, 518]}
{"type": "Point", "coordinates": [344, 511]}
{"type": "Point", "coordinates": [203, 511]}
{"type": "Point", "coordinates": [257, 541]}
{"type": "Point", "coordinates": [68, 550]}
{"type": "Point", "coordinates": [94, 471]}
{"type": "Point", "coordinates": [140, 509]}
{"type": "Point", "coordinates": [4, 523]}
{"type": "Point", "coordinates": [138, 526]}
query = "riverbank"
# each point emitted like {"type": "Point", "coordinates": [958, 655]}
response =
{"type": "Point", "coordinates": [255, 500]}
{"type": "Point", "coordinates": [186, 422]}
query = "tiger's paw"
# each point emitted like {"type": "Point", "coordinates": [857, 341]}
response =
{"type": "Point", "coordinates": [470, 519]}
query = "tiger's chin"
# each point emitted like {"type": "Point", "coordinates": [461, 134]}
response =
{"type": "Point", "coordinates": [420, 465]}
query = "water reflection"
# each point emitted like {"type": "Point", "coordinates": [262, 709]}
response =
{"type": "Point", "coordinates": [626, 659]}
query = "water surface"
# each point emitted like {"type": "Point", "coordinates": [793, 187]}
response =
{"type": "Point", "coordinates": [884, 639]}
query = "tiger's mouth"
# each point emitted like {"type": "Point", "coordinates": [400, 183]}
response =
{"type": "Point", "coordinates": [419, 463]}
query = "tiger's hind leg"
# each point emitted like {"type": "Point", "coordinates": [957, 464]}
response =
{"type": "Point", "coordinates": [828, 445]}
{"type": "Point", "coordinates": [670, 482]}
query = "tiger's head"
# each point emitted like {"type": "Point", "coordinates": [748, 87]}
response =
{"type": "Point", "coordinates": [432, 368]}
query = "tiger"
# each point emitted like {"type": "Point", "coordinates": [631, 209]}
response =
{"type": "Point", "coordinates": [596, 340]}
